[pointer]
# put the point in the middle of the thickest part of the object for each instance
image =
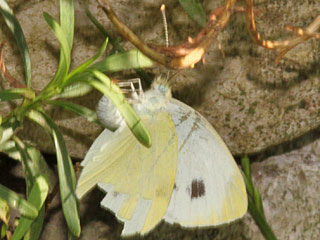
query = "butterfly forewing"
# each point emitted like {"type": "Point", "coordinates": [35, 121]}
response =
{"type": "Point", "coordinates": [209, 188]}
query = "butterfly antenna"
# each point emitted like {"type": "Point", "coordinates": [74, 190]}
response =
{"type": "Point", "coordinates": [165, 25]}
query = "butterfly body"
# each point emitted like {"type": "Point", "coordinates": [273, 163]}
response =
{"type": "Point", "coordinates": [188, 176]}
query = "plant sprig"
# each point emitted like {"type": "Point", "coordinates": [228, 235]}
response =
{"type": "Point", "coordinates": [65, 84]}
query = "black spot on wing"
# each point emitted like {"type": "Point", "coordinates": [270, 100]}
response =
{"type": "Point", "coordinates": [197, 188]}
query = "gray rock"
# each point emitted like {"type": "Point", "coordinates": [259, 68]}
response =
{"type": "Point", "coordinates": [252, 102]}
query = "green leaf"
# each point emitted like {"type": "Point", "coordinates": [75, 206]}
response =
{"type": "Point", "coordinates": [113, 92]}
{"type": "Point", "coordinates": [86, 64]}
{"type": "Point", "coordinates": [15, 201]}
{"type": "Point", "coordinates": [65, 54]}
{"type": "Point", "coordinates": [37, 196]}
{"type": "Point", "coordinates": [245, 163]}
{"type": "Point", "coordinates": [260, 221]}
{"type": "Point", "coordinates": [98, 25]}
{"type": "Point", "coordinates": [195, 11]}
{"type": "Point", "coordinates": [76, 89]}
{"type": "Point", "coordinates": [116, 45]}
{"type": "Point", "coordinates": [8, 128]}
{"type": "Point", "coordinates": [16, 93]}
{"type": "Point", "coordinates": [67, 179]}
{"type": "Point", "coordinates": [258, 201]}
{"type": "Point", "coordinates": [67, 20]}
{"type": "Point", "coordinates": [35, 230]}
{"type": "Point", "coordinates": [34, 165]}
{"type": "Point", "coordinates": [4, 211]}
{"type": "Point", "coordinates": [90, 115]}
{"type": "Point", "coordinates": [113, 63]}
{"type": "Point", "coordinates": [38, 118]}
{"type": "Point", "coordinates": [16, 29]}
{"type": "Point", "coordinates": [123, 61]}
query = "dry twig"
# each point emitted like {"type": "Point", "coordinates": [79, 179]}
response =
{"type": "Point", "coordinates": [188, 53]}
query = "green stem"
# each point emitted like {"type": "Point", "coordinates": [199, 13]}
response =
{"type": "Point", "coordinates": [260, 221]}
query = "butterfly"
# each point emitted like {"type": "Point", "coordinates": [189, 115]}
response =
{"type": "Point", "coordinates": [188, 176]}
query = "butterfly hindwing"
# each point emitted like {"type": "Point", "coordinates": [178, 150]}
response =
{"type": "Point", "coordinates": [209, 188]}
{"type": "Point", "coordinates": [139, 180]}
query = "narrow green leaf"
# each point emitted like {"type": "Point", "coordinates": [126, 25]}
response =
{"type": "Point", "coordinates": [65, 55]}
{"type": "Point", "coordinates": [113, 92]}
{"type": "Point", "coordinates": [10, 149]}
{"type": "Point", "coordinates": [7, 95]}
{"type": "Point", "coordinates": [245, 163]}
{"type": "Point", "coordinates": [116, 45]}
{"type": "Point", "coordinates": [35, 230]}
{"type": "Point", "coordinates": [123, 61]}
{"type": "Point", "coordinates": [4, 211]}
{"type": "Point", "coordinates": [195, 11]}
{"type": "Point", "coordinates": [86, 64]}
{"type": "Point", "coordinates": [38, 118]}
{"type": "Point", "coordinates": [34, 165]}
{"type": "Point", "coordinates": [67, 180]}
{"type": "Point", "coordinates": [258, 201]}
{"type": "Point", "coordinates": [90, 115]}
{"type": "Point", "coordinates": [16, 93]}
{"type": "Point", "coordinates": [67, 20]}
{"type": "Point", "coordinates": [4, 229]}
{"type": "Point", "coordinates": [17, 202]}
{"type": "Point", "coordinates": [113, 63]}
{"type": "Point", "coordinates": [37, 196]}
{"type": "Point", "coordinates": [8, 128]}
{"type": "Point", "coordinates": [16, 29]}
{"type": "Point", "coordinates": [76, 89]}
{"type": "Point", "coordinates": [98, 25]}
{"type": "Point", "coordinates": [29, 173]}
{"type": "Point", "coordinates": [260, 221]}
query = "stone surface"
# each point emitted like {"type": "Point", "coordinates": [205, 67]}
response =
{"type": "Point", "coordinates": [252, 102]}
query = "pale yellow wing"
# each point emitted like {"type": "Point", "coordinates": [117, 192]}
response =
{"type": "Point", "coordinates": [139, 180]}
{"type": "Point", "coordinates": [209, 188]}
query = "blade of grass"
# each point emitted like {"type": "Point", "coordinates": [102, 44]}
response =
{"type": "Point", "coordinates": [35, 230]}
{"type": "Point", "coordinates": [4, 217]}
{"type": "Point", "coordinates": [195, 11]}
{"type": "Point", "coordinates": [34, 166]}
{"type": "Point", "coordinates": [90, 115]}
{"type": "Point", "coordinates": [9, 125]}
{"type": "Point", "coordinates": [254, 201]}
{"type": "Point", "coordinates": [260, 221]}
{"type": "Point", "coordinates": [16, 93]}
{"type": "Point", "coordinates": [67, 179]}
{"type": "Point", "coordinates": [65, 53]}
{"type": "Point", "coordinates": [113, 92]}
{"type": "Point", "coordinates": [98, 25]}
{"type": "Point", "coordinates": [74, 90]}
{"type": "Point", "coordinates": [17, 202]}
{"type": "Point", "coordinates": [86, 64]}
{"type": "Point", "coordinates": [67, 20]}
{"type": "Point", "coordinates": [114, 63]}
{"type": "Point", "coordinates": [116, 45]}
{"type": "Point", "coordinates": [16, 29]}
{"type": "Point", "coordinates": [122, 61]}
{"type": "Point", "coordinates": [37, 196]}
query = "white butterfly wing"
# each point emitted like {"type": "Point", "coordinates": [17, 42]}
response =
{"type": "Point", "coordinates": [139, 180]}
{"type": "Point", "coordinates": [209, 189]}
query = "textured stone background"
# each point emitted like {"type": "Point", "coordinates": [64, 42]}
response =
{"type": "Point", "coordinates": [255, 105]}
